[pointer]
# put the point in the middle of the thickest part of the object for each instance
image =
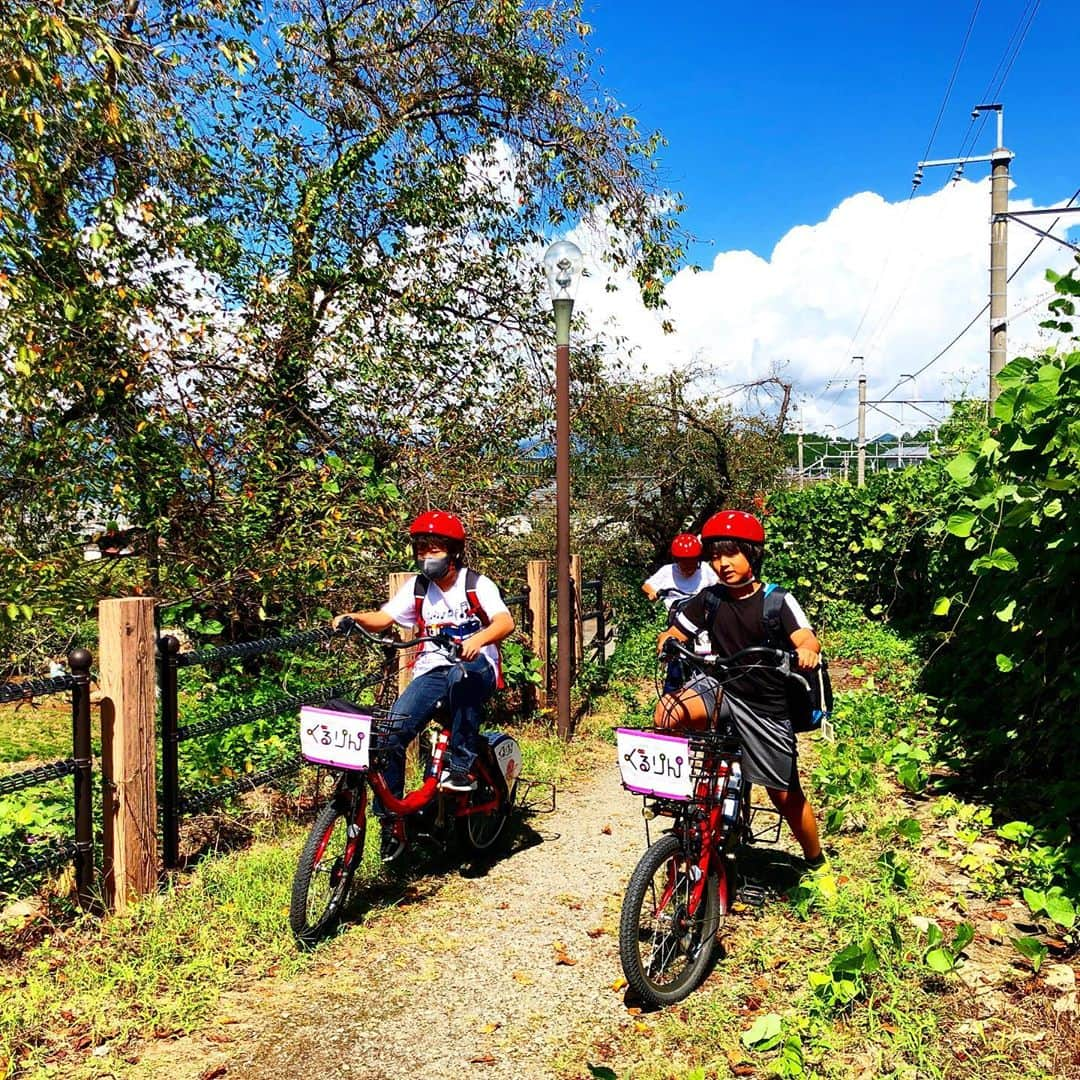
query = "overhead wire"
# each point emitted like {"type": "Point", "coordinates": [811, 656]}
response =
{"type": "Point", "coordinates": [993, 88]}
{"type": "Point", "coordinates": [889, 253]}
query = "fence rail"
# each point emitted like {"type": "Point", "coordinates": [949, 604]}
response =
{"type": "Point", "coordinates": [170, 660]}
{"type": "Point", "coordinates": [79, 851]}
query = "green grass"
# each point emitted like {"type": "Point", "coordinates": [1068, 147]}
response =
{"type": "Point", "coordinates": [833, 980]}
{"type": "Point", "coordinates": [39, 731]}
{"type": "Point", "coordinates": [159, 969]}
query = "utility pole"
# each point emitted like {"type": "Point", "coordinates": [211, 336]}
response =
{"type": "Point", "coordinates": [861, 473]}
{"type": "Point", "coordinates": [999, 217]}
{"type": "Point", "coordinates": [999, 240]}
{"type": "Point", "coordinates": [802, 479]}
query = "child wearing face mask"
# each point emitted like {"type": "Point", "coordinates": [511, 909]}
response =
{"type": "Point", "coordinates": [445, 596]}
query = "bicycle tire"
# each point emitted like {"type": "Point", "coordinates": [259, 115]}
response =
{"type": "Point", "coordinates": [315, 909]}
{"type": "Point", "coordinates": [483, 832]}
{"type": "Point", "coordinates": [662, 966]}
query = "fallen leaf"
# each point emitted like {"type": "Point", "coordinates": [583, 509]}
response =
{"type": "Point", "coordinates": [228, 1020]}
{"type": "Point", "coordinates": [618, 984]}
{"type": "Point", "coordinates": [595, 933]}
{"type": "Point", "coordinates": [606, 830]}
{"type": "Point", "coordinates": [562, 958]}
{"type": "Point", "coordinates": [761, 983]}
{"type": "Point", "coordinates": [487, 1029]}
{"type": "Point", "coordinates": [502, 906]}
{"type": "Point", "coordinates": [642, 1028]}
{"type": "Point", "coordinates": [213, 1072]}
{"type": "Point", "coordinates": [1000, 916]}
{"type": "Point", "coordinates": [752, 1003]}
{"type": "Point", "coordinates": [742, 1070]}
{"type": "Point", "coordinates": [634, 1010]}
{"type": "Point", "coordinates": [219, 1037]}
{"type": "Point", "coordinates": [521, 977]}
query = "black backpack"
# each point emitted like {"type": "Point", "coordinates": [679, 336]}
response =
{"type": "Point", "coordinates": [809, 694]}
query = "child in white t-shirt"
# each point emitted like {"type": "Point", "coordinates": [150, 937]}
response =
{"type": "Point", "coordinates": [674, 584]}
{"type": "Point", "coordinates": [465, 605]}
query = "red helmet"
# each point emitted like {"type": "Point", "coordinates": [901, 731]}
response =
{"type": "Point", "coordinates": [686, 546]}
{"type": "Point", "coordinates": [733, 525]}
{"type": "Point", "coordinates": [438, 523]}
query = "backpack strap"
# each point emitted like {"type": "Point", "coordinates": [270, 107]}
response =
{"type": "Point", "coordinates": [712, 605]}
{"type": "Point", "coordinates": [475, 607]}
{"type": "Point", "coordinates": [770, 617]}
{"type": "Point", "coordinates": [419, 591]}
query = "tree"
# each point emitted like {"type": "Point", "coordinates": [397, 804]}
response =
{"type": "Point", "coordinates": [261, 266]}
{"type": "Point", "coordinates": [656, 457]}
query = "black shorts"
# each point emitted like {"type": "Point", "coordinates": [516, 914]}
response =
{"type": "Point", "coordinates": [770, 750]}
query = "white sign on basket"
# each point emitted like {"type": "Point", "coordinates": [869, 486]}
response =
{"type": "Point", "coordinates": [654, 764]}
{"type": "Point", "coordinates": [329, 737]}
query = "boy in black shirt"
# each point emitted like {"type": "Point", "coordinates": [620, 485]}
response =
{"type": "Point", "coordinates": [734, 618]}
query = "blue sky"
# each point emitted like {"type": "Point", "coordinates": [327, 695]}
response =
{"type": "Point", "coordinates": [776, 113]}
{"type": "Point", "coordinates": [794, 130]}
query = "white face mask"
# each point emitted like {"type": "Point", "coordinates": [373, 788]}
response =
{"type": "Point", "coordinates": [435, 567]}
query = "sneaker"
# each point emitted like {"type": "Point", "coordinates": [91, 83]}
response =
{"type": "Point", "coordinates": [456, 780]}
{"type": "Point", "coordinates": [817, 862]}
{"type": "Point", "coordinates": [390, 845]}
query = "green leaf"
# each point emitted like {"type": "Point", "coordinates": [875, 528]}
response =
{"type": "Point", "coordinates": [1060, 908]}
{"type": "Point", "coordinates": [942, 605]}
{"type": "Point", "coordinates": [961, 523]}
{"type": "Point", "coordinates": [962, 938]}
{"type": "Point", "coordinates": [1005, 614]}
{"type": "Point", "coordinates": [765, 1033]}
{"type": "Point", "coordinates": [1031, 948]}
{"type": "Point", "coordinates": [601, 1072]}
{"type": "Point", "coordinates": [1004, 663]}
{"type": "Point", "coordinates": [940, 960]}
{"type": "Point", "coordinates": [961, 466]}
{"type": "Point", "coordinates": [910, 830]}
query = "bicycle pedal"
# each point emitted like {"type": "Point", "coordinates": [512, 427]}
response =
{"type": "Point", "coordinates": [751, 895]}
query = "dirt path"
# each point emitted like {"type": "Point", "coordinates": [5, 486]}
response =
{"type": "Point", "coordinates": [486, 976]}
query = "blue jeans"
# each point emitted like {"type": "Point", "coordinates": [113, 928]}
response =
{"type": "Point", "coordinates": [464, 687]}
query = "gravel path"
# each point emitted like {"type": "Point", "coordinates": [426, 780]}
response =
{"type": "Point", "coordinates": [488, 976]}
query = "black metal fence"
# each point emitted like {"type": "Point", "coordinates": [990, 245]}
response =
{"type": "Point", "coordinates": [595, 647]}
{"type": "Point", "coordinates": [80, 850]}
{"type": "Point", "coordinates": [170, 660]}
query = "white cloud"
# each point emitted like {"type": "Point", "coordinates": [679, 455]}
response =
{"type": "Point", "coordinates": [893, 282]}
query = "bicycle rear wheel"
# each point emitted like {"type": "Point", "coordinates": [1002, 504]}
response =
{"type": "Point", "coordinates": [665, 950]}
{"type": "Point", "coordinates": [324, 874]}
{"type": "Point", "coordinates": [482, 832]}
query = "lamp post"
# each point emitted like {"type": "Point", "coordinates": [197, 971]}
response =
{"type": "Point", "coordinates": [562, 265]}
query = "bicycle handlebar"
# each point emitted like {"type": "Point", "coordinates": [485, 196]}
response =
{"type": "Point", "coordinates": [675, 649]}
{"type": "Point", "coordinates": [441, 640]}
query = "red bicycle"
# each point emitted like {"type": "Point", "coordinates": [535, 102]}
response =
{"type": "Point", "coordinates": [352, 741]}
{"type": "Point", "coordinates": [685, 883]}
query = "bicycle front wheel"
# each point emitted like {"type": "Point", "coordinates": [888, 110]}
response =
{"type": "Point", "coordinates": [664, 948]}
{"type": "Point", "coordinates": [324, 874]}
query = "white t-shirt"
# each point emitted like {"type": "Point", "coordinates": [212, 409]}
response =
{"type": "Point", "coordinates": [447, 611]}
{"type": "Point", "coordinates": [671, 577]}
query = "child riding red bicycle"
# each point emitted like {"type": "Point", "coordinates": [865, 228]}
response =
{"type": "Point", "coordinates": [450, 598]}
{"type": "Point", "coordinates": [733, 615]}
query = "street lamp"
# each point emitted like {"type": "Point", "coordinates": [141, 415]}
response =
{"type": "Point", "coordinates": [562, 265]}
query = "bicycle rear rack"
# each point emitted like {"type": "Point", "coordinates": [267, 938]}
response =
{"type": "Point", "coordinates": [535, 796]}
{"type": "Point", "coordinates": [769, 831]}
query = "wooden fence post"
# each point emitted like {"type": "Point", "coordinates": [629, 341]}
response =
{"type": "Point", "coordinates": [579, 626]}
{"type": "Point", "coordinates": [536, 576]}
{"type": "Point", "coordinates": [128, 748]}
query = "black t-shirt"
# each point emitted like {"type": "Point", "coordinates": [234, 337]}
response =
{"type": "Point", "coordinates": [740, 624]}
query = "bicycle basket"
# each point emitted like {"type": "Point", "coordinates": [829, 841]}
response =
{"type": "Point", "coordinates": [342, 738]}
{"type": "Point", "coordinates": [705, 749]}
